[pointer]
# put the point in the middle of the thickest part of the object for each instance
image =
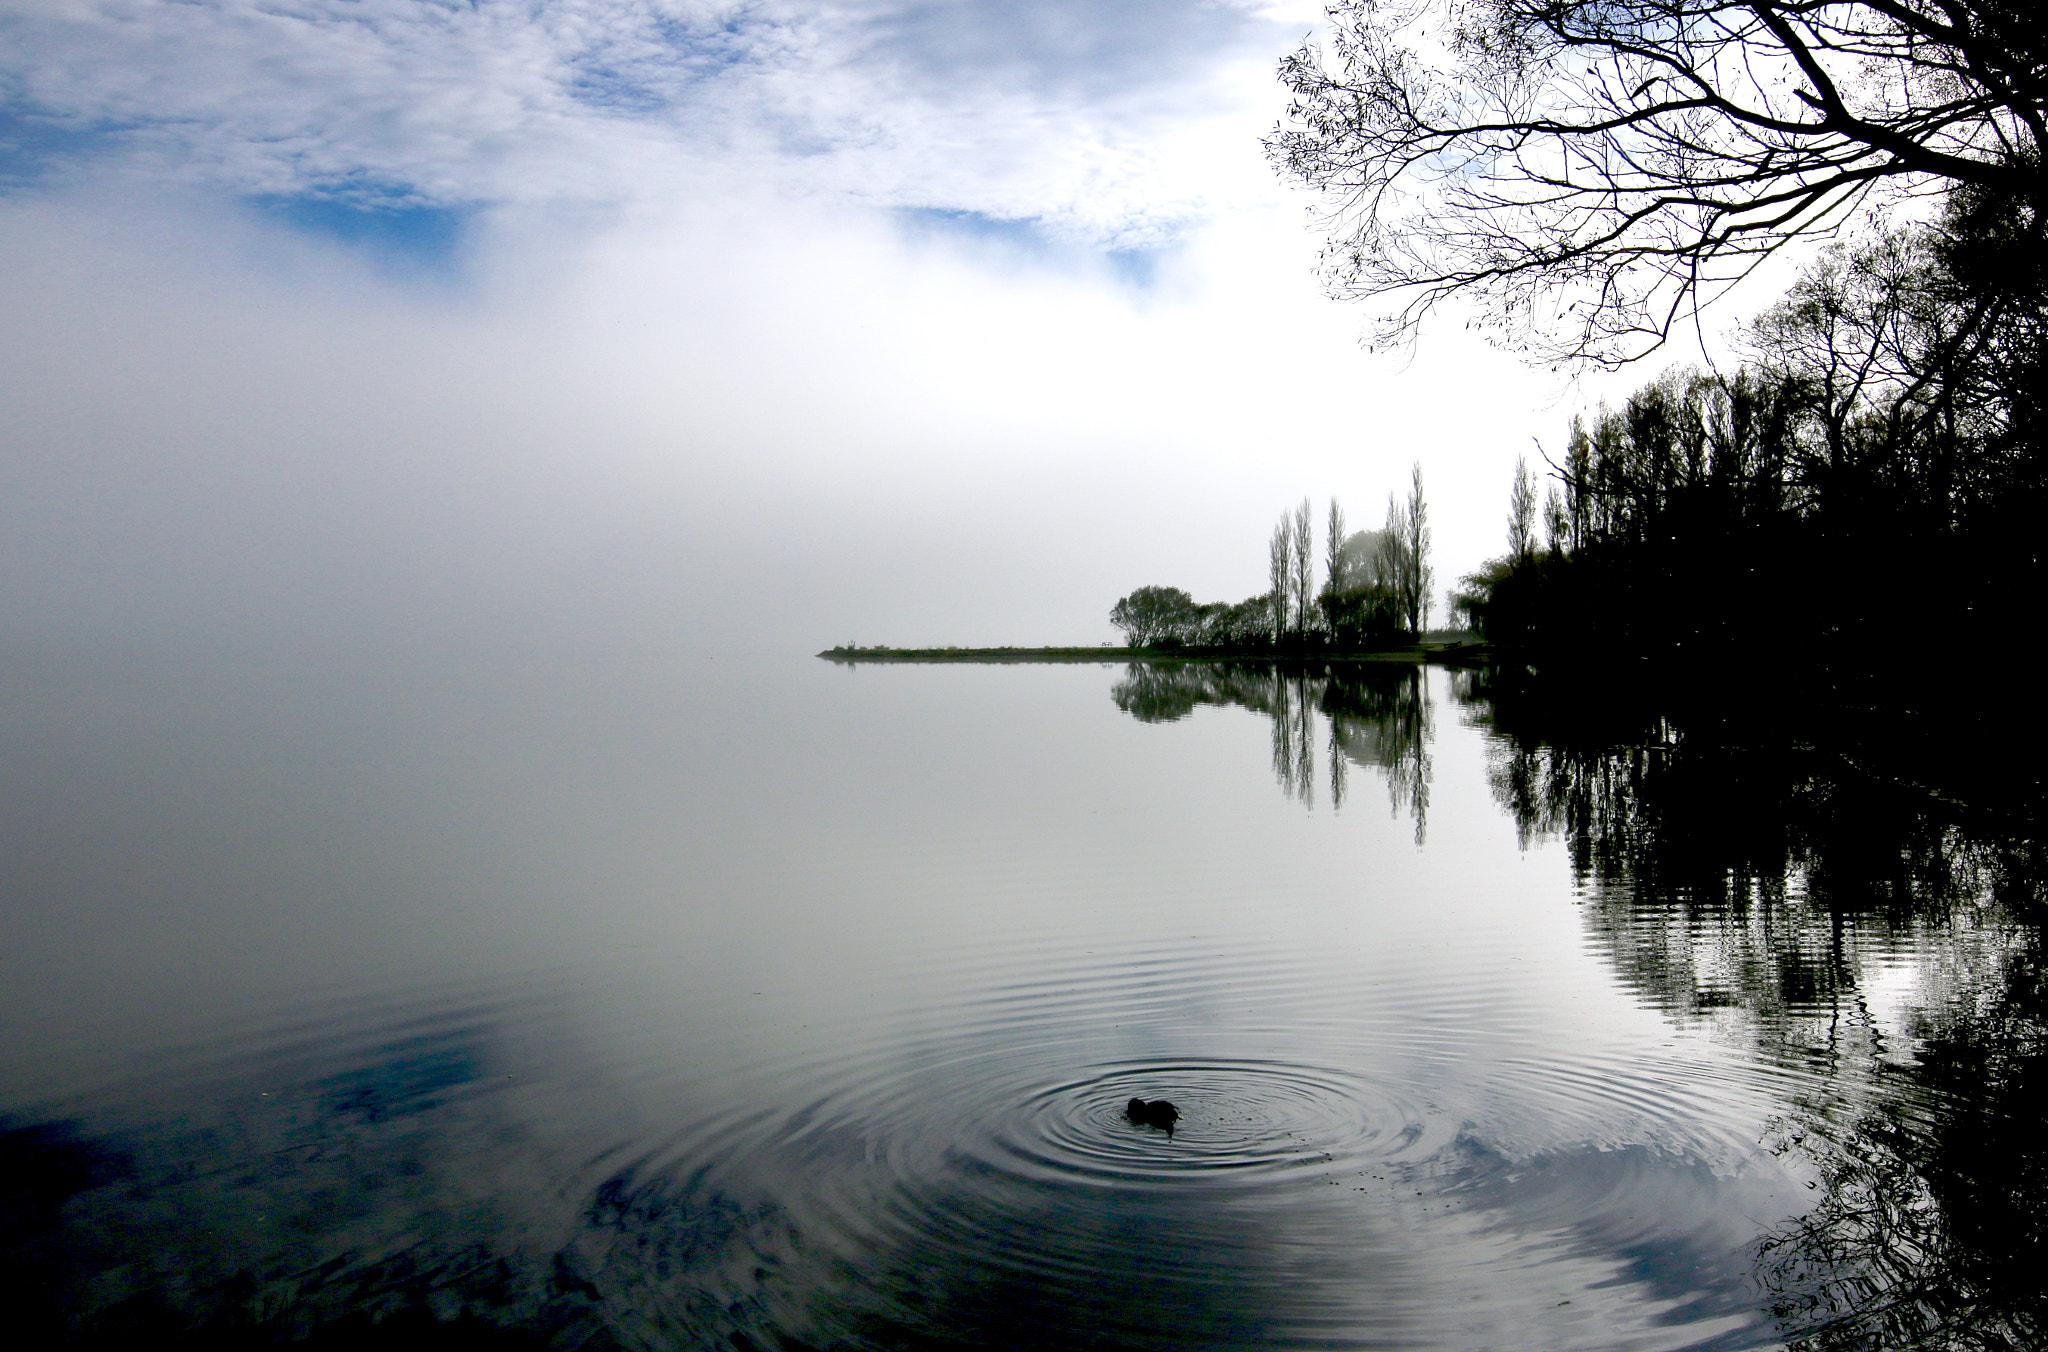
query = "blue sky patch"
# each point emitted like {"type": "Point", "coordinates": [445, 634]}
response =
{"type": "Point", "coordinates": [1135, 267]}
{"type": "Point", "coordinates": [409, 234]}
{"type": "Point", "coordinates": [31, 145]}
{"type": "Point", "coordinates": [1021, 235]}
{"type": "Point", "coordinates": [1025, 240]}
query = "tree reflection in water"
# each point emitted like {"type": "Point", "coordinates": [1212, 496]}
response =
{"type": "Point", "coordinates": [1929, 1228]}
{"type": "Point", "coordinates": [1737, 874]}
{"type": "Point", "coordinates": [1377, 715]}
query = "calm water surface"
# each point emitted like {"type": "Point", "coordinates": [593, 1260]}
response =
{"type": "Point", "coordinates": [703, 1003]}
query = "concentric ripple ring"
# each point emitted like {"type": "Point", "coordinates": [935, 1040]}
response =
{"type": "Point", "coordinates": [1242, 1123]}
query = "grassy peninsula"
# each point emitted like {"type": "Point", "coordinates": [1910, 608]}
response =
{"type": "Point", "coordinates": [1372, 605]}
{"type": "Point", "coordinates": [1453, 649]}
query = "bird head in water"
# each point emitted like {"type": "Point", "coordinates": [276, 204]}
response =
{"type": "Point", "coordinates": [1158, 1113]}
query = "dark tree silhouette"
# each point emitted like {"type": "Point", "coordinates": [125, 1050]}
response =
{"type": "Point", "coordinates": [1291, 572]}
{"type": "Point", "coordinates": [1280, 573]}
{"type": "Point", "coordinates": [1333, 552]}
{"type": "Point", "coordinates": [1301, 578]}
{"type": "Point", "coordinates": [1595, 169]}
{"type": "Point", "coordinates": [1403, 563]}
{"type": "Point", "coordinates": [1522, 513]}
{"type": "Point", "coordinates": [1153, 615]}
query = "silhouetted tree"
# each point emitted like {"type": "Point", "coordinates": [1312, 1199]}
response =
{"type": "Point", "coordinates": [1673, 522]}
{"type": "Point", "coordinates": [1280, 573]}
{"type": "Point", "coordinates": [1152, 615]}
{"type": "Point", "coordinates": [1359, 605]}
{"type": "Point", "coordinates": [1472, 600]}
{"type": "Point", "coordinates": [1522, 514]}
{"type": "Point", "coordinates": [1556, 521]}
{"type": "Point", "coordinates": [1244, 625]}
{"type": "Point", "coordinates": [1291, 569]}
{"type": "Point", "coordinates": [1302, 574]}
{"type": "Point", "coordinates": [1333, 551]}
{"type": "Point", "coordinates": [1594, 169]}
{"type": "Point", "coordinates": [1404, 567]}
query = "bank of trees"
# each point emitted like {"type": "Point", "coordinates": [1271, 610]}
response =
{"type": "Point", "coordinates": [1870, 479]}
{"type": "Point", "coordinates": [1590, 173]}
{"type": "Point", "coordinates": [1373, 589]}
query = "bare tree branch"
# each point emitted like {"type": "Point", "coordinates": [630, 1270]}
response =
{"type": "Point", "coordinates": [1594, 170]}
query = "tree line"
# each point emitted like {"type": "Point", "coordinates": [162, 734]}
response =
{"type": "Point", "coordinates": [1373, 589]}
{"type": "Point", "coordinates": [1870, 474]}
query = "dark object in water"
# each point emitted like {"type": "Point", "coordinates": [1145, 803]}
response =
{"type": "Point", "coordinates": [1158, 1113]}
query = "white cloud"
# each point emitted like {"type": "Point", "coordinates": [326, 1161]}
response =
{"type": "Point", "coordinates": [1069, 111]}
{"type": "Point", "coordinates": [690, 301]}
{"type": "Point", "coordinates": [760, 420]}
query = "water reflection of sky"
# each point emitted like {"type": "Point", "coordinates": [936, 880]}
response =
{"type": "Point", "coordinates": [797, 1002]}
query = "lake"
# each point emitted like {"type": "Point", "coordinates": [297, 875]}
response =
{"type": "Point", "coordinates": [766, 1003]}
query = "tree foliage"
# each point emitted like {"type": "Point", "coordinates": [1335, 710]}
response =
{"type": "Point", "coordinates": [1301, 576]}
{"type": "Point", "coordinates": [1407, 568]}
{"type": "Point", "coordinates": [1358, 604]}
{"type": "Point", "coordinates": [1522, 513]}
{"type": "Point", "coordinates": [1151, 615]}
{"type": "Point", "coordinates": [1291, 572]}
{"type": "Point", "coordinates": [1280, 575]}
{"type": "Point", "coordinates": [1595, 169]}
{"type": "Point", "coordinates": [1375, 590]}
{"type": "Point", "coordinates": [1874, 474]}
{"type": "Point", "coordinates": [1673, 525]}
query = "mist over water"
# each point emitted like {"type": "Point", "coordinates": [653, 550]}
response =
{"type": "Point", "coordinates": [689, 1002]}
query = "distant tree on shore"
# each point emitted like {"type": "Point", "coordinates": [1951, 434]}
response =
{"type": "Point", "coordinates": [1333, 549]}
{"type": "Point", "coordinates": [1152, 615]}
{"type": "Point", "coordinates": [1291, 571]}
{"type": "Point", "coordinates": [1405, 554]}
{"type": "Point", "coordinates": [1302, 580]}
{"type": "Point", "coordinates": [1280, 574]}
{"type": "Point", "coordinates": [1522, 513]}
{"type": "Point", "coordinates": [1374, 592]}
{"type": "Point", "coordinates": [1357, 604]}
{"type": "Point", "coordinates": [1244, 625]}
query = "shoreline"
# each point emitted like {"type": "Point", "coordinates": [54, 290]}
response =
{"type": "Point", "coordinates": [1467, 653]}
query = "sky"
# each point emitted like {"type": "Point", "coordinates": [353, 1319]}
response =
{"type": "Point", "coordinates": [748, 327]}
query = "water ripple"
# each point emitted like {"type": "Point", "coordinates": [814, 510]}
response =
{"type": "Point", "coordinates": [1241, 1123]}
